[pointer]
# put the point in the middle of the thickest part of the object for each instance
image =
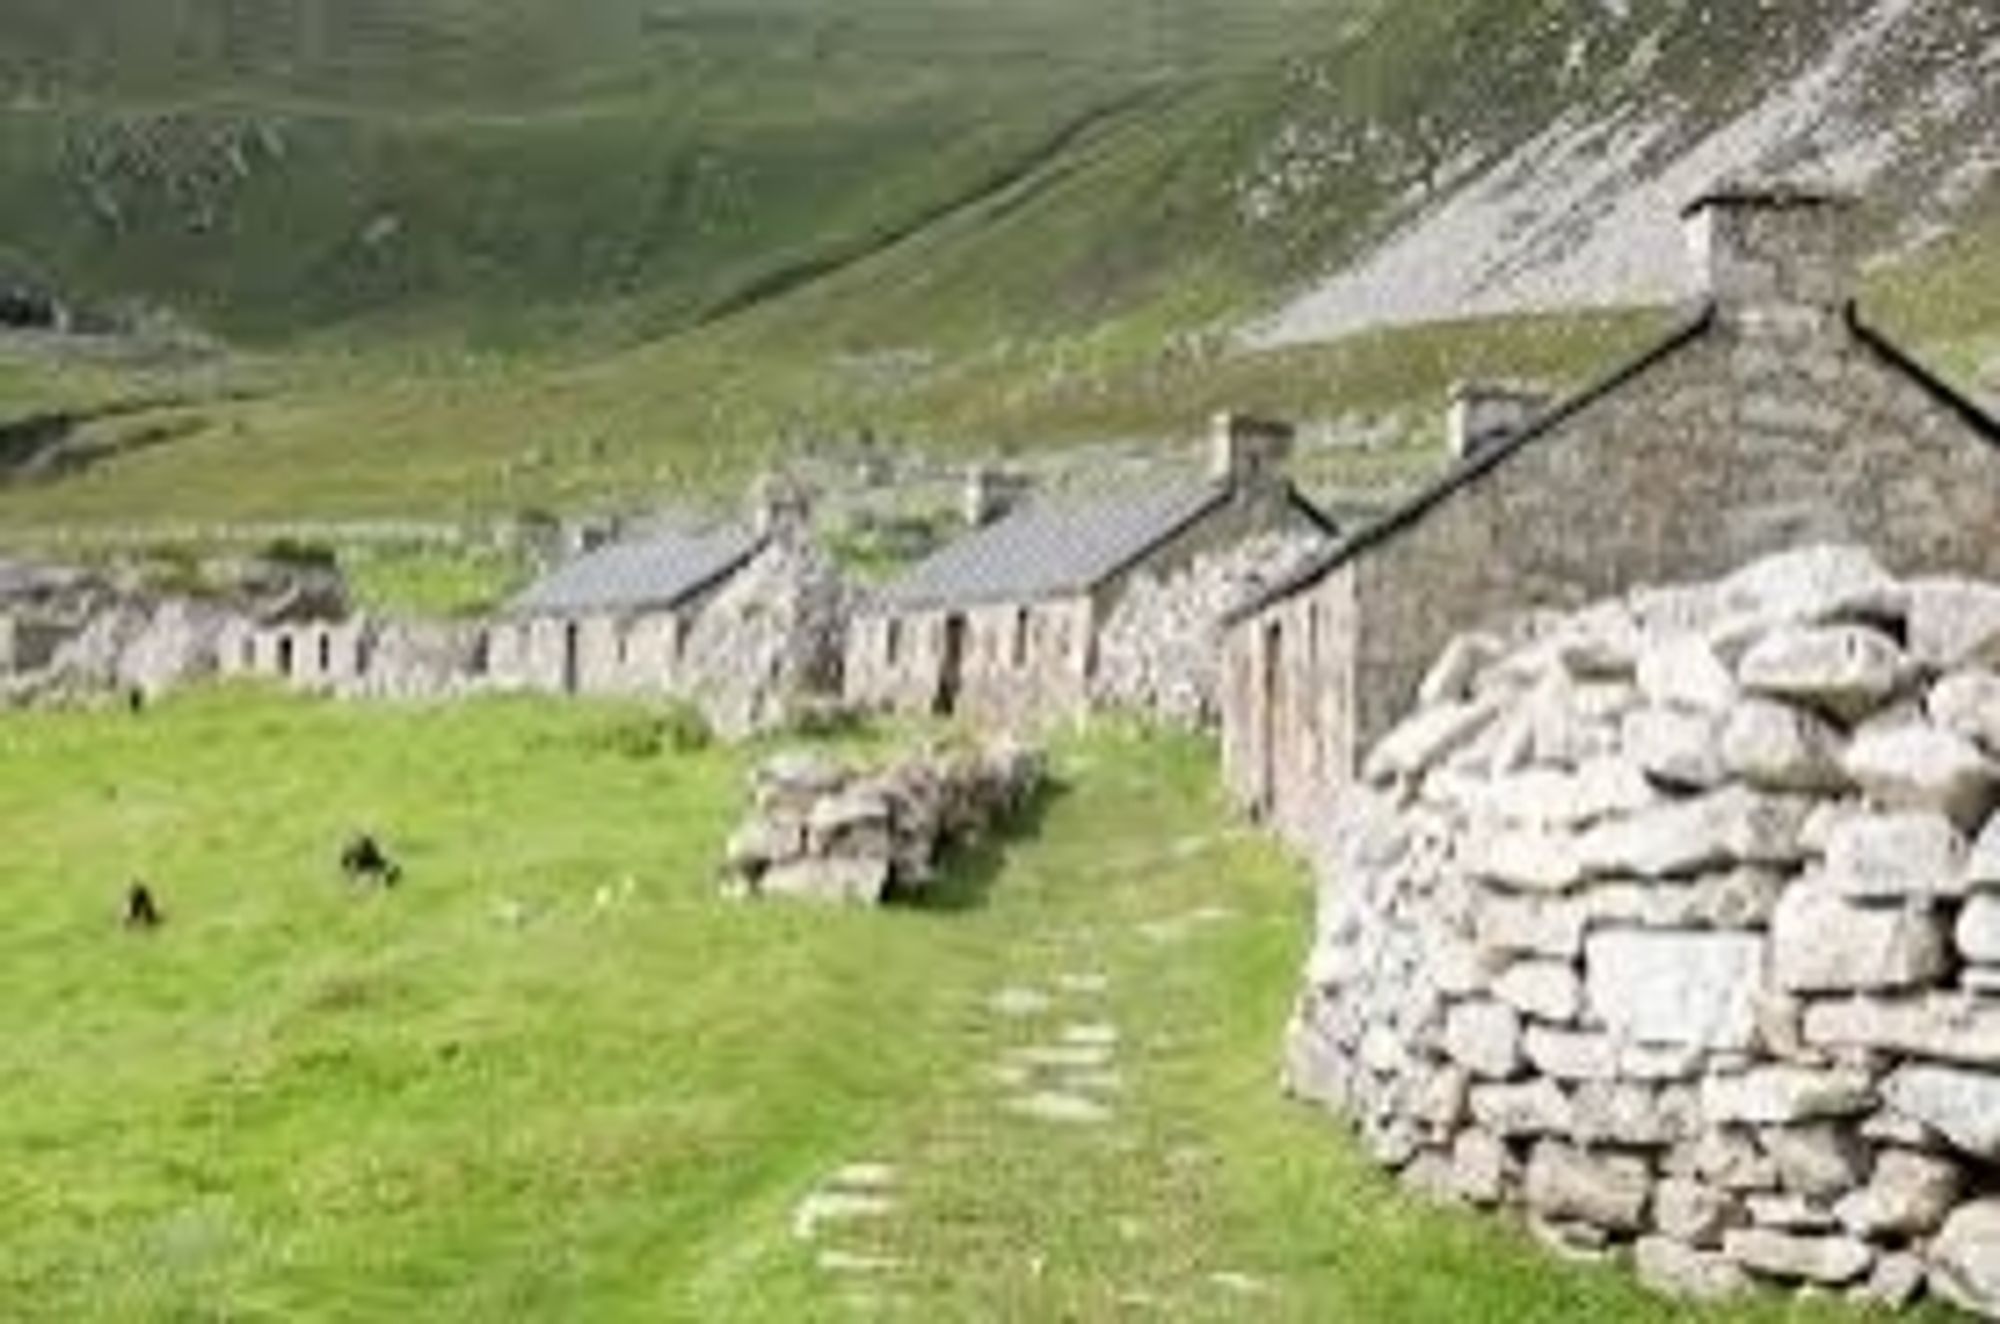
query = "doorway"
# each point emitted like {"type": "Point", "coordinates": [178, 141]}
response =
{"type": "Point", "coordinates": [1271, 726]}
{"type": "Point", "coordinates": [951, 667]}
{"type": "Point", "coordinates": [572, 662]}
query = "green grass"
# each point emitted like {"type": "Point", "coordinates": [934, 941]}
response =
{"type": "Point", "coordinates": [301, 1102]}
{"type": "Point", "coordinates": [430, 582]}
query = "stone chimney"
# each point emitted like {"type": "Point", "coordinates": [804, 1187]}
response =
{"type": "Point", "coordinates": [1249, 451]}
{"type": "Point", "coordinates": [991, 495]}
{"type": "Point", "coordinates": [1485, 413]}
{"type": "Point", "coordinates": [1774, 257]}
{"type": "Point", "coordinates": [780, 506]}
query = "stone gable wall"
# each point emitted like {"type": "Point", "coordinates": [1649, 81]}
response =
{"type": "Point", "coordinates": [1675, 924]}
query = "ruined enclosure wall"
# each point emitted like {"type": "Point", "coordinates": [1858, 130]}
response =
{"type": "Point", "coordinates": [1677, 926]}
{"type": "Point", "coordinates": [1736, 446]}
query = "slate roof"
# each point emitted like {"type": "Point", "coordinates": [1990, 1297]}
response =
{"type": "Point", "coordinates": [1471, 470]}
{"type": "Point", "coordinates": [657, 572]}
{"type": "Point", "coordinates": [1058, 547]}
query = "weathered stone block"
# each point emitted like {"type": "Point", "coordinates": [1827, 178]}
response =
{"type": "Point", "coordinates": [1940, 1026]}
{"type": "Point", "coordinates": [1571, 1055]}
{"type": "Point", "coordinates": [1688, 837]}
{"type": "Point", "coordinates": [1675, 1269]}
{"type": "Point", "coordinates": [1526, 860]}
{"type": "Point", "coordinates": [1777, 747]}
{"type": "Point", "coordinates": [1965, 1259]}
{"type": "Point", "coordinates": [1430, 737]}
{"type": "Point", "coordinates": [1908, 1195]}
{"type": "Point", "coordinates": [1822, 1161]}
{"type": "Point", "coordinates": [1967, 703]}
{"type": "Point", "coordinates": [1532, 926]}
{"type": "Point", "coordinates": [1485, 1038]}
{"type": "Point", "coordinates": [1785, 1096]}
{"type": "Point", "coordinates": [1668, 988]}
{"type": "Point", "coordinates": [1821, 943]}
{"type": "Point", "coordinates": [1923, 768]}
{"type": "Point", "coordinates": [1978, 931]}
{"type": "Point", "coordinates": [1481, 1168]}
{"type": "Point", "coordinates": [1814, 585]}
{"type": "Point", "coordinates": [1547, 990]}
{"type": "Point", "coordinates": [1694, 1212]}
{"type": "Point", "coordinates": [1953, 623]}
{"type": "Point", "coordinates": [1830, 1261]}
{"type": "Point", "coordinates": [1895, 856]}
{"type": "Point", "coordinates": [1513, 1112]}
{"type": "Point", "coordinates": [1567, 1185]}
{"type": "Point", "coordinates": [1675, 748]}
{"type": "Point", "coordinates": [1961, 1105]}
{"type": "Point", "coordinates": [1848, 671]}
{"type": "Point", "coordinates": [1682, 671]}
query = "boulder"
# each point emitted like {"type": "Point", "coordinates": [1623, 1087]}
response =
{"type": "Point", "coordinates": [1777, 747]}
{"type": "Point", "coordinates": [1962, 1106]}
{"type": "Point", "coordinates": [1822, 943]}
{"type": "Point", "coordinates": [1923, 768]}
{"type": "Point", "coordinates": [1514, 1112]}
{"type": "Point", "coordinates": [1671, 988]}
{"type": "Point", "coordinates": [1965, 1259]}
{"type": "Point", "coordinates": [1848, 672]}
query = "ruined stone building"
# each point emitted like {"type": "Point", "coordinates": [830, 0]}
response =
{"type": "Point", "coordinates": [1773, 415]}
{"type": "Point", "coordinates": [1050, 607]}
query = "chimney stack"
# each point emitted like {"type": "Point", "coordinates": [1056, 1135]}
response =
{"type": "Point", "coordinates": [780, 507]}
{"type": "Point", "coordinates": [1774, 257]}
{"type": "Point", "coordinates": [1482, 414]}
{"type": "Point", "coordinates": [1248, 451]}
{"type": "Point", "coordinates": [991, 495]}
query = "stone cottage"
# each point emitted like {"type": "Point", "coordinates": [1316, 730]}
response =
{"type": "Point", "coordinates": [1772, 416]}
{"type": "Point", "coordinates": [741, 616]}
{"type": "Point", "coordinates": [1018, 622]}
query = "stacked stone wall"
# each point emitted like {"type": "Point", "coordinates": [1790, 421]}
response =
{"type": "Point", "coordinates": [1675, 924]}
{"type": "Point", "coordinates": [824, 831]}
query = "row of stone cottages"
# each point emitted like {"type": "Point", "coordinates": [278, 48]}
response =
{"type": "Point", "coordinates": [1047, 607]}
{"type": "Point", "coordinates": [1774, 415]}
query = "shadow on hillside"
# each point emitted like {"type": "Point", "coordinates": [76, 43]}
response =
{"type": "Point", "coordinates": [967, 873]}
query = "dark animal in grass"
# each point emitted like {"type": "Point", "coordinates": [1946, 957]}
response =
{"type": "Point", "coordinates": [141, 911]}
{"type": "Point", "coordinates": [364, 861]}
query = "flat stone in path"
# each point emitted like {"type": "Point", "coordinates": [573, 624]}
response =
{"type": "Point", "coordinates": [1091, 1036]}
{"type": "Point", "coordinates": [825, 1207]}
{"type": "Point", "coordinates": [1084, 983]}
{"type": "Point", "coordinates": [1019, 1003]}
{"type": "Point", "coordinates": [1061, 1108]}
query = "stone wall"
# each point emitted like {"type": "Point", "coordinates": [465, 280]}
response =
{"type": "Point", "coordinates": [1675, 923]}
{"type": "Point", "coordinates": [824, 831]}
{"type": "Point", "coordinates": [1161, 651]}
{"type": "Point", "coordinates": [768, 641]}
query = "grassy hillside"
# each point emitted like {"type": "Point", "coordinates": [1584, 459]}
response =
{"type": "Point", "coordinates": [469, 258]}
{"type": "Point", "coordinates": [554, 1076]}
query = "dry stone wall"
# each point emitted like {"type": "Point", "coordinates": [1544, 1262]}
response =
{"type": "Point", "coordinates": [1675, 924]}
{"type": "Point", "coordinates": [823, 831]}
{"type": "Point", "coordinates": [1161, 650]}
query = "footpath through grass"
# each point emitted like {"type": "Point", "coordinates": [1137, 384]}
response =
{"type": "Point", "coordinates": [554, 1077]}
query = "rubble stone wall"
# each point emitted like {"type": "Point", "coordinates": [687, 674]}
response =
{"type": "Point", "coordinates": [1161, 650]}
{"type": "Point", "coordinates": [1675, 924]}
{"type": "Point", "coordinates": [824, 831]}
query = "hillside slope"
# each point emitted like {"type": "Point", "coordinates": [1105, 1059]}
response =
{"type": "Point", "coordinates": [685, 239]}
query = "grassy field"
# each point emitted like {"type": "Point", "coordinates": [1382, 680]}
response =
{"type": "Point", "coordinates": [554, 1077]}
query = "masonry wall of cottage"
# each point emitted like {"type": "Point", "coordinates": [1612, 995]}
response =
{"type": "Point", "coordinates": [1149, 640]}
{"type": "Point", "coordinates": [1675, 924]}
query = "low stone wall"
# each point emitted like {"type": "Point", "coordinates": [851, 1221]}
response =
{"type": "Point", "coordinates": [824, 831]}
{"type": "Point", "coordinates": [1676, 925]}
{"type": "Point", "coordinates": [1161, 650]}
